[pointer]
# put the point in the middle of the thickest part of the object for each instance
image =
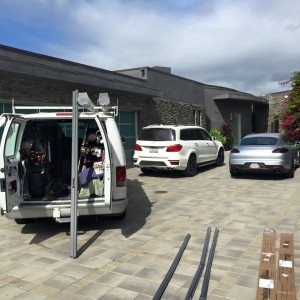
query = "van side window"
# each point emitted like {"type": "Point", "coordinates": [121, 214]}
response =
{"type": "Point", "coordinates": [11, 142]}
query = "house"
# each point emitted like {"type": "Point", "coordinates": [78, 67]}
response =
{"type": "Point", "coordinates": [144, 95]}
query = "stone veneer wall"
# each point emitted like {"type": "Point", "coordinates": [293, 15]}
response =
{"type": "Point", "coordinates": [167, 112]}
{"type": "Point", "coordinates": [276, 100]}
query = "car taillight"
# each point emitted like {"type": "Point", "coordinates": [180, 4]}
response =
{"type": "Point", "coordinates": [137, 147]}
{"type": "Point", "coordinates": [280, 150]}
{"type": "Point", "coordinates": [120, 176]}
{"type": "Point", "coordinates": [174, 148]}
{"type": "Point", "coordinates": [235, 150]}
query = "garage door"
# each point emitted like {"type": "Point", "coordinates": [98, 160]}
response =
{"type": "Point", "coordinates": [126, 121]}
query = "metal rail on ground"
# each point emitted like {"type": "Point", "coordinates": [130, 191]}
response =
{"type": "Point", "coordinates": [172, 269]}
{"type": "Point", "coordinates": [206, 278]}
{"type": "Point", "coordinates": [201, 266]}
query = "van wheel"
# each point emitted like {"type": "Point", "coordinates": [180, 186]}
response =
{"type": "Point", "coordinates": [24, 221]}
{"type": "Point", "coordinates": [220, 158]}
{"type": "Point", "coordinates": [191, 168]}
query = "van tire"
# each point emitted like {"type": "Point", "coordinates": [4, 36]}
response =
{"type": "Point", "coordinates": [191, 168]}
{"type": "Point", "coordinates": [24, 221]}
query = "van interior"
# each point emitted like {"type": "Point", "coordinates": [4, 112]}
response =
{"type": "Point", "coordinates": [46, 154]}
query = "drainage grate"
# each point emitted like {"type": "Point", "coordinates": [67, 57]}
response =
{"type": "Point", "coordinates": [160, 192]}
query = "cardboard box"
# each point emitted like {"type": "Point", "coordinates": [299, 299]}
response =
{"type": "Point", "coordinates": [266, 285]}
{"type": "Point", "coordinates": [286, 277]}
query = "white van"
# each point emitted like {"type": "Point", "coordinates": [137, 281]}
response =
{"type": "Point", "coordinates": [35, 164]}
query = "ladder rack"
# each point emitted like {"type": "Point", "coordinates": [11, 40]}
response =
{"type": "Point", "coordinates": [110, 110]}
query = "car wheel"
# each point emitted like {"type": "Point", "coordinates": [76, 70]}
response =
{"type": "Point", "coordinates": [220, 158]}
{"type": "Point", "coordinates": [191, 168]}
{"type": "Point", "coordinates": [291, 172]}
{"type": "Point", "coordinates": [146, 171]}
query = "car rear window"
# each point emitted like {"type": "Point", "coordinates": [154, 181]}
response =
{"type": "Point", "coordinates": [157, 134]}
{"type": "Point", "coordinates": [259, 141]}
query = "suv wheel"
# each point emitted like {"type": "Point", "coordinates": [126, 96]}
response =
{"type": "Point", "coordinates": [146, 171]}
{"type": "Point", "coordinates": [220, 158]}
{"type": "Point", "coordinates": [191, 168]}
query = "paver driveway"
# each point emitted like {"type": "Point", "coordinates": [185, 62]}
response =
{"type": "Point", "coordinates": [127, 259]}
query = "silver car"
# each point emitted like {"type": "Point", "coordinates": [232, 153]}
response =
{"type": "Point", "coordinates": [264, 153]}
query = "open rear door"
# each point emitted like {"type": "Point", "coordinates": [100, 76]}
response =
{"type": "Point", "coordinates": [11, 168]}
{"type": "Point", "coordinates": [107, 164]}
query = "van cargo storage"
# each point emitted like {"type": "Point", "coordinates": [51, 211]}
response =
{"type": "Point", "coordinates": [35, 163]}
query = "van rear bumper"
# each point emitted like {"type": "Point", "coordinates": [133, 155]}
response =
{"type": "Point", "coordinates": [43, 210]}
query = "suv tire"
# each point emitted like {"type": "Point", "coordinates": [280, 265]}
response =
{"type": "Point", "coordinates": [146, 171]}
{"type": "Point", "coordinates": [191, 168]}
{"type": "Point", "coordinates": [220, 158]}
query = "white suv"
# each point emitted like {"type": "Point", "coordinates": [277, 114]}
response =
{"type": "Point", "coordinates": [172, 147]}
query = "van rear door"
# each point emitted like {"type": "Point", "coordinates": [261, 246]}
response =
{"type": "Point", "coordinates": [107, 164]}
{"type": "Point", "coordinates": [11, 168]}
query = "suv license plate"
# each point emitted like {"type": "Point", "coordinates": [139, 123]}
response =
{"type": "Point", "coordinates": [254, 166]}
{"type": "Point", "coordinates": [153, 150]}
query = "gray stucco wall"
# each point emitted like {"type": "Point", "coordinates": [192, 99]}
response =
{"type": "Point", "coordinates": [172, 87]}
{"type": "Point", "coordinates": [221, 111]}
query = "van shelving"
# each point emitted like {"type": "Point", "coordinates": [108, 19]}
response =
{"type": "Point", "coordinates": [35, 162]}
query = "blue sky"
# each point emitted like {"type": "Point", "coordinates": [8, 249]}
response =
{"type": "Point", "coordinates": [248, 45]}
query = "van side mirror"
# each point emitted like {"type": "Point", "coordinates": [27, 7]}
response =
{"type": "Point", "coordinates": [123, 139]}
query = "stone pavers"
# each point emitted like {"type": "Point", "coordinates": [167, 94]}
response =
{"type": "Point", "coordinates": [128, 259]}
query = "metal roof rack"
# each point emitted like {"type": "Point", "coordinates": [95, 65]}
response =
{"type": "Point", "coordinates": [110, 110]}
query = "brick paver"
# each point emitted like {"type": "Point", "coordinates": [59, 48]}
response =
{"type": "Point", "coordinates": [127, 259]}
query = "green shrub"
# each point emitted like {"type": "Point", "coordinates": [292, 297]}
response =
{"type": "Point", "coordinates": [218, 135]}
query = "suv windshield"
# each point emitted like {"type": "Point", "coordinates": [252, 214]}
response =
{"type": "Point", "coordinates": [157, 134]}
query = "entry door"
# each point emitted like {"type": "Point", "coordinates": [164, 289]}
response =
{"type": "Point", "coordinates": [236, 120]}
{"type": "Point", "coordinates": [11, 168]}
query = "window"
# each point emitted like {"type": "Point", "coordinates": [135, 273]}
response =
{"type": "Point", "coordinates": [157, 134]}
{"type": "Point", "coordinates": [259, 141]}
{"type": "Point", "coordinates": [10, 147]}
{"type": "Point", "coordinates": [205, 135]}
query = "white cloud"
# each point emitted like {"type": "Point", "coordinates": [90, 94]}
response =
{"type": "Point", "coordinates": [249, 45]}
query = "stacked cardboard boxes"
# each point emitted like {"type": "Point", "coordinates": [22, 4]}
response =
{"type": "Point", "coordinates": [267, 268]}
{"type": "Point", "coordinates": [286, 277]}
{"type": "Point", "coordinates": [282, 286]}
